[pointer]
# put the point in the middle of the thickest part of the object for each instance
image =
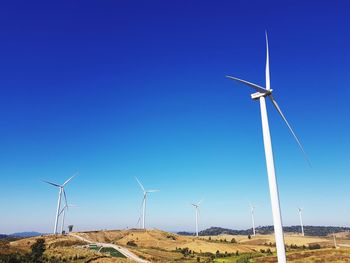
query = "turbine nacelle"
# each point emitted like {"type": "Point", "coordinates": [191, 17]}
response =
{"type": "Point", "coordinates": [258, 95]}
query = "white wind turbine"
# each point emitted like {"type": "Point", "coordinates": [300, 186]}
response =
{"type": "Point", "coordinates": [145, 192]}
{"type": "Point", "coordinates": [301, 220]}
{"type": "Point", "coordinates": [196, 207]}
{"type": "Point", "coordinates": [252, 207]}
{"type": "Point", "coordinates": [60, 191]}
{"type": "Point", "coordinates": [275, 204]}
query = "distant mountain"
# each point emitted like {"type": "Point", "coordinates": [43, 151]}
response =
{"type": "Point", "coordinates": [26, 234]}
{"type": "Point", "coordinates": [3, 236]}
{"type": "Point", "coordinates": [214, 231]}
{"type": "Point", "coordinates": [309, 230]}
{"type": "Point", "coordinates": [184, 233]}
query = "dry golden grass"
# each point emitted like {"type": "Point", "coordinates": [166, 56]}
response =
{"type": "Point", "coordinates": [158, 255]}
{"type": "Point", "coordinates": [313, 256]}
{"type": "Point", "coordinates": [261, 240]}
{"type": "Point", "coordinates": [50, 241]}
{"type": "Point", "coordinates": [160, 246]}
{"type": "Point", "coordinates": [149, 241]}
{"type": "Point", "coordinates": [64, 247]}
{"type": "Point", "coordinates": [169, 241]}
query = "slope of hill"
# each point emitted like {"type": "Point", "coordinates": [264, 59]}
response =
{"type": "Point", "coordinates": [160, 246]}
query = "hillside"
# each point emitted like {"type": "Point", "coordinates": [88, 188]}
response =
{"type": "Point", "coordinates": [160, 246]}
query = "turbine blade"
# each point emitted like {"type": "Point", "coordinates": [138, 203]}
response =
{"type": "Point", "coordinates": [143, 189]}
{"type": "Point", "coordinates": [252, 85]}
{"type": "Point", "coordinates": [200, 202]}
{"type": "Point", "coordinates": [66, 182]}
{"type": "Point", "coordinates": [138, 221]}
{"type": "Point", "coordinates": [267, 69]}
{"type": "Point", "coordinates": [152, 191]}
{"type": "Point", "coordinates": [290, 128]}
{"type": "Point", "coordinates": [51, 183]}
{"type": "Point", "coordinates": [61, 211]}
{"type": "Point", "coordinates": [65, 199]}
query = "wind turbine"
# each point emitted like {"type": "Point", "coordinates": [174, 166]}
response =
{"type": "Point", "coordinates": [60, 191]}
{"type": "Point", "coordinates": [252, 214]}
{"type": "Point", "coordinates": [196, 207]}
{"type": "Point", "coordinates": [301, 220]}
{"type": "Point", "coordinates": [260, 95]}
{"type": "Point", "coordinates": [145, 192]}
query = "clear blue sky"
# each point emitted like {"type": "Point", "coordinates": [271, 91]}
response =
{"type": "Point", "coordinates": [117, 89]}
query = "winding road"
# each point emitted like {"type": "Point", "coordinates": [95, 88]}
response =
{"type": "Point", "coordinates": [122, 250]}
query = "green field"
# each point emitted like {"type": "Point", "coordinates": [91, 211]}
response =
{"type": "Point", "coordinates": [111, 251]}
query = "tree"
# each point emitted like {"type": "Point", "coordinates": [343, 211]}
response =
{"type": "Point", "coordinates": [249, 237]}
{"type": "Point", "coordinates": [38, 249]}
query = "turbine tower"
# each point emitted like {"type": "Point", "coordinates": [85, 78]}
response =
{"type": "Point", "coordinates": [64, 210]}
{"type": "Point", "coordinates": [60, 191]}
{"type": "Point", "coordinates": [301, 220]}
{"type": "Point", "coordinates": [196, 207]}
{"type": "Point", "coordinates": [260, 94]}
{"type": "Point", "coordinates": [145, 192]}
{"type": "Point", "coordinates": [252, 214]}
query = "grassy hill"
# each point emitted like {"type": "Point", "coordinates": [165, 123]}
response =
{"type": "Point", "coordinates": [160, 246]}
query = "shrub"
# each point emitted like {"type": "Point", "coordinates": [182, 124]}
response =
{"type": "Point", "coordinates": [314, 246]}
{"type": "Point", "coordinates": [171, 237]}
{"type": "Point", "coordinates": [185, 251]}
{"type": "Point", "coordinates": [131, 243]}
